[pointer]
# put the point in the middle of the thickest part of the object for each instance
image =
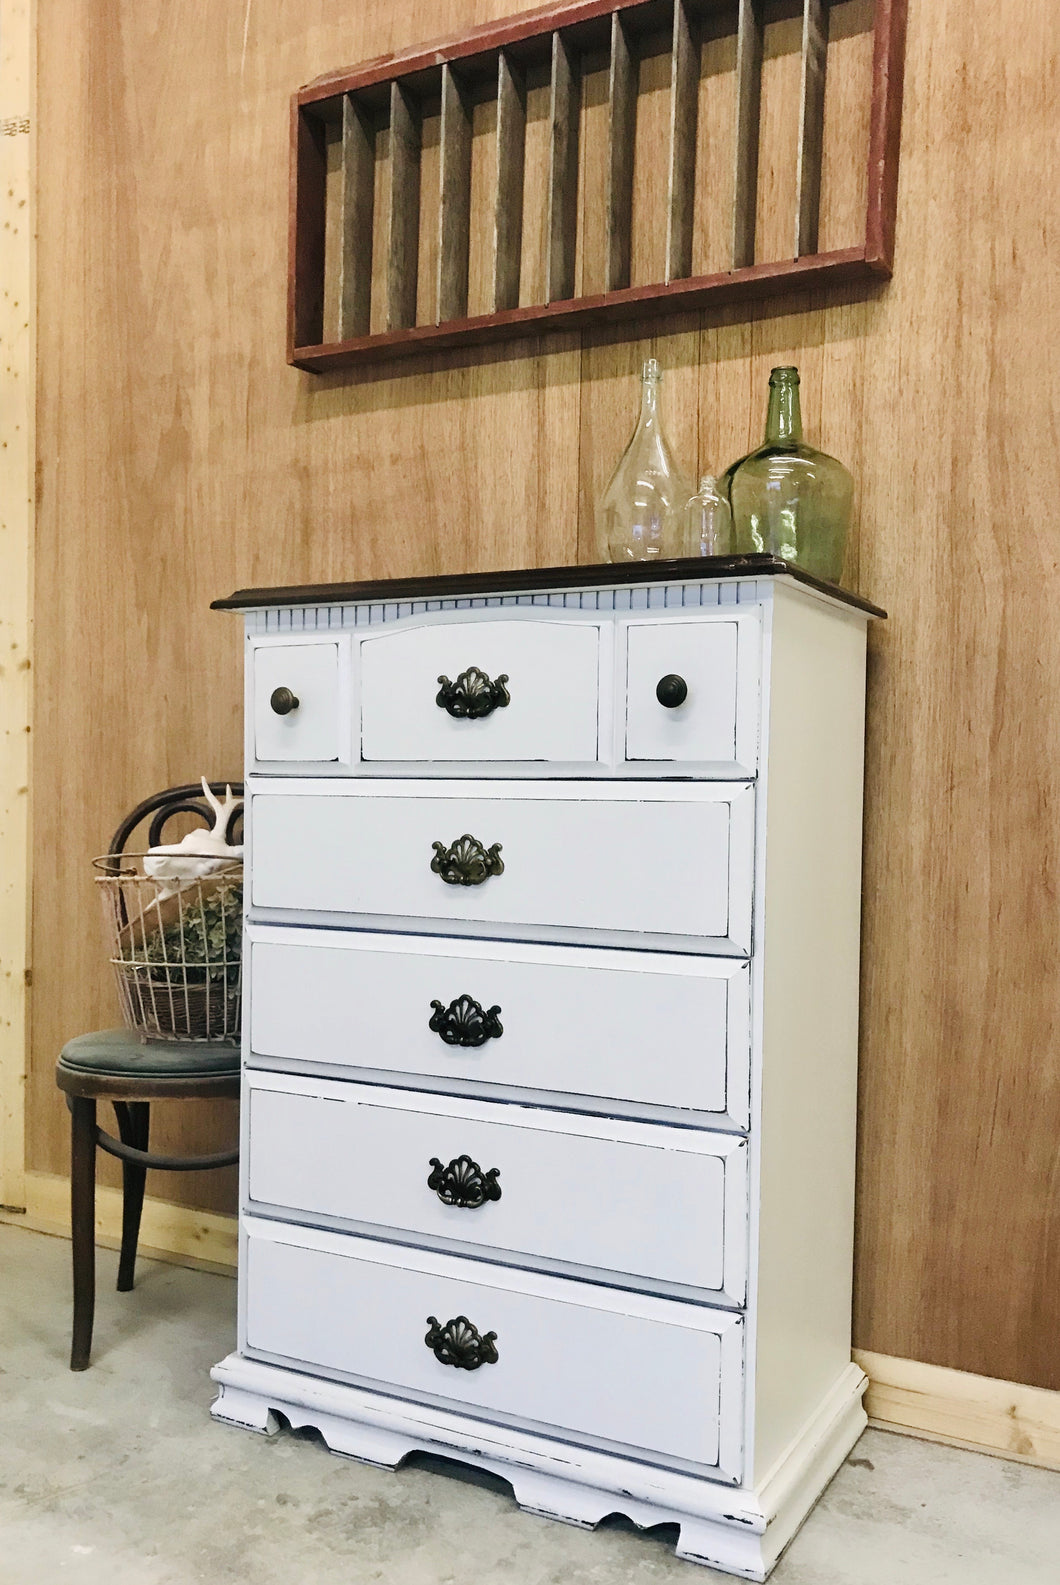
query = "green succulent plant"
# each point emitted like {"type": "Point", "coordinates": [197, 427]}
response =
{"type": "Point", "coordinates": [205, 944]}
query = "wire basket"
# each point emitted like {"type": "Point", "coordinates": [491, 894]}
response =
{"type": "Point", "coordinates": [176, 947]}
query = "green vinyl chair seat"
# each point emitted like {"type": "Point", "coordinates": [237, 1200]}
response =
{"type": "Point", "coordinates": [126, 1054]}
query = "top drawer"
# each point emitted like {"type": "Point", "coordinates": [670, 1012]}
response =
{"type": "Point", "coordinates": [520, 691]}
{"type": "Point", "coordinates": [491, 690]}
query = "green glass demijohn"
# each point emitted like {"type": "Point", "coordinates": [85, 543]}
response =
{"type": "Point", "coordinates": [787, 498]}
{"type": "Point", "coordinates": [643, 512]}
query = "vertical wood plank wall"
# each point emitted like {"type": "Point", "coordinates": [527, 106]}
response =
{"type": "Point", "coordinates": [16, 538]}
{"type": "Point", "coordinates": [179, 457]}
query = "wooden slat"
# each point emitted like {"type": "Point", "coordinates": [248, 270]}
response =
{"type": "Point", "coordinates": [563, 172]}
{"type": "Point", "coordinates": [18, 386]}
{"type": "Point", "coordinates": [454, 219]}
{"type": "Point", "coordinates": [404, 230]}
{"type": "Point", "coordinates": [467, 42]}
{"type": "Point", "coordinates": [358, 195]}
{"type": "Point", "coordinates": [621, 136]}
{"type": "Point", "coordinates": [684, 117]}
{"type": "Point", "coordinates": [305, 292]}
{"type": "Point", "coordinates": [748, 100]}
{"type": "Point", "coordinates": [888, 62]}
{"type": "Point", "coordinates": [1004, 1418]}
{"type": "Point", "coordinates": [811, 125]}
{"type": "Point", "coordinates": [511, 158]}
{"type": "Point", "coordinates": [575, 313]}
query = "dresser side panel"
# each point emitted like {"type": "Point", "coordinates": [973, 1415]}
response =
{"type": "Point", "coordinates": [805, 1102]}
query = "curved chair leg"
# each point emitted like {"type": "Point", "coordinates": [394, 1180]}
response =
{"type": "Point", "coordinates": [134, 1121]}
{"type": "Point", "coordinates": [83, 1224]}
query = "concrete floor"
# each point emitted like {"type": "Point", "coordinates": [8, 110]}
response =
{"type": "Point", "coordinates": [119, 1477]}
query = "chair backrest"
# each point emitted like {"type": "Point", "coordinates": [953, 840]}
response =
{"type": "Point", "coordinates": [163, 806]}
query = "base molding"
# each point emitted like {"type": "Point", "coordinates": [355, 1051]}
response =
{"type": "Point", "coordinates": [737, 1529]}
{"type": "Point", "coordinates": [981, 1413]}
{"type": "Point", "coordinates": [176, 1233]}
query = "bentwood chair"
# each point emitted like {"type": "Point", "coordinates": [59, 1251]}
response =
{"type": "Point", "coordinates": [129, 1070]}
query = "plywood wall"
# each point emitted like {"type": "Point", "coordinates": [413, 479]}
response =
{"type": "Point", "coordinates": [179, 458]}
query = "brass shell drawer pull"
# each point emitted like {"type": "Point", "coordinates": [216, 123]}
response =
{"type": "Point", "coordinates": [465, 1022]}
{"type": "Point", "coordinates": [463, 1183]}
{"type": "Point", "coordinates": [460, 1344]}
{"type": "Point", "coordinates": [473, 695]}
{"type": "Point", "coordinates": [283, 701]}
{"type": "Point", "coordinates": [466, 862]}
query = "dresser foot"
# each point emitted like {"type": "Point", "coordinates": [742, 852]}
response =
{"type": "Point", "coordinates": [551, 1498]}
{"type": "Point", "coordinates": [721, 1546]}
{"type": "Point", "coordinates": [246, 1410]}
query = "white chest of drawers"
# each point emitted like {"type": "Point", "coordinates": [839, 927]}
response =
{"type": "Point", "coordinates": [551, 1036]}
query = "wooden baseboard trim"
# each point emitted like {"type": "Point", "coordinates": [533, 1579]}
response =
{"type": "Point", "coordinates": [981, 1413]}
{"type": "Point", "coordinates": [167, 1232]}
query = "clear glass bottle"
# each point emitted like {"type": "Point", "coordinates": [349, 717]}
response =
{"type": "Point", "coordinates": [787, 498]}
{"type": "Point", "coordinates": [709, 521]}
{"type": "Point", "coordinates": [642, 514]}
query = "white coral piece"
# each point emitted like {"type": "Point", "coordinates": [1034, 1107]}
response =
{"type": "Point", "coordinates": [200, 853]}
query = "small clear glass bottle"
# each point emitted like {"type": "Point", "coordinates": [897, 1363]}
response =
{"type": "Point", "coordinates": [642, 514]}
{"type": "Point", "coordinates": [787, 498]}
{"type": "Point", "coordinates": [709, 521]}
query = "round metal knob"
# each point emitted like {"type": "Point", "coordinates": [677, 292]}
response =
{"type": "Point", "coordinates": [671, 691]}
{"type": "Point", "coordinates": [283, 701]}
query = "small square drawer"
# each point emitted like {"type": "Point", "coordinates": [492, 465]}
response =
{"type": "Point", "coordinates": [299, 708]}
{"type": "Point", "coordinates": [486, 690]}
{"type": "Point", "coordinates": [658, 1378]}
{"type": "Point", "coordinates": [692, 691]}
{"type": "Point", "coordinates": [538, 1186]}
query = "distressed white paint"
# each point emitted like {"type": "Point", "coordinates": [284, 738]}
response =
{"type": "Point", "coordinates": [742, 1530]}
{"type": "Point", "coordinates": [576, 677]}
{"type": "Point", "coordinates": [606, 1366]}
{"type": "Point", "coordinates": [719, 658]}
{"type": "Point", "coordinates": [360, 1003]}
{"type": "Point", "coordinates": [317, 729]}
{"type": "Point", "coordinates": [807, 980]}
{"type": "Point", "coordinates": [582, 1191]}
{"type": "Point", "coordinates": [552, 671]}
{"type": "Point", "coordinates": [633, 859]}
{"type": "Point", "coordinates": [745, 871]}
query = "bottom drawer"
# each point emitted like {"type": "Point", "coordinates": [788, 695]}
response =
{"type": "Point", "coordinates": [618, 1370]}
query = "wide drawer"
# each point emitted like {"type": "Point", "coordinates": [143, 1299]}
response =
{"type": "Point", "coordinates": [484, 690]}
{"type": "Point", "coordinates": [666, 864]}
{"type": "Point", "coordinates": [647, 1203]}
{"type": "Point", "coordinates": [572, 1021]}
{"type": "Point", "coordinates": [606, 1367]}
